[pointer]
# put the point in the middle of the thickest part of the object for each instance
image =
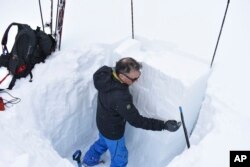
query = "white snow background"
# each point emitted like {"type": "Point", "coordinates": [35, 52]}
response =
{"type": "Point", "coordinates": [174, 40]}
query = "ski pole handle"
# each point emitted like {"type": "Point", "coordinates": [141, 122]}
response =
{"type": "Point", "coordinates": [77, 157]}
{"type": "Point", "coordinates": [184, 128]}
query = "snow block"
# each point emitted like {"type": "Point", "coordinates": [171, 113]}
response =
{"type": "Point", "coordinates": [168, 80]}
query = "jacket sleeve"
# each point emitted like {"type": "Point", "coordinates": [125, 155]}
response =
{"type": "Point", "coordinates": [125, 107]}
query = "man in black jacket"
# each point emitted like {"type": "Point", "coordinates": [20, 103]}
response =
{"type": "Point", "coordinates": [114, 108]}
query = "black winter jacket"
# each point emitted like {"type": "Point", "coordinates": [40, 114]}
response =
{"type": "Point", "coordinates": [115, 107]}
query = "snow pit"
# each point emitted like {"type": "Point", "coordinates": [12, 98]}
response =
{"type": "Point", "coordinates": [58, 108]}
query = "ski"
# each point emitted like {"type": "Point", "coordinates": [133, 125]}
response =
{"type": "Point", "coordinates": [184, 128]}
{"type": "Point", "coordinates": [77, 157]}
{"type": "Point", "coordinates": [59, 22]}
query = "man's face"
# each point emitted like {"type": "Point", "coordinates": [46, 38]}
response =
{"type": "Point", "coordinates": [131, 77]}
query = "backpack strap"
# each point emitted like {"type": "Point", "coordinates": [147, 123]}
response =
{"type": "Point", "coordinates": [31, 76]}
{"type": "Point", "coordinates": [5, 36]}
{"type": "Point", "coordinates": [13, 81]}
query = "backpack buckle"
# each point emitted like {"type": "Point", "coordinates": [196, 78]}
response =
{"type": "Point", "coordinates": [5, 50]}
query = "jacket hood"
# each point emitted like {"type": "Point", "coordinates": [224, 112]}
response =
{"type": "Point", "coordinates": [105, 81]}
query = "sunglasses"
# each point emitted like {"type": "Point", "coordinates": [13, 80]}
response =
{"type": "Point", "coordinates": [131, 79]}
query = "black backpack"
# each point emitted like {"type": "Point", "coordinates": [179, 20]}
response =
{"type": "Point", "coordinates": [30, 47]}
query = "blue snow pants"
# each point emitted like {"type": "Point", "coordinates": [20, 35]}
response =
{"type": "Point", "coordinates": [117, 149]}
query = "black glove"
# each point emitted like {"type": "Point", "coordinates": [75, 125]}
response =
{"type": "Point", "coordinates": [172, 125]}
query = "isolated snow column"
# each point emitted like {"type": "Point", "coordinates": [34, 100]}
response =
{"type": "Point", "coordinates": [167, 81]}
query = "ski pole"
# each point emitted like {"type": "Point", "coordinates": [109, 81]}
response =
{"type": "Point", "coordinates": [41, 13]}
{"type": "Point", "coordinates": [132, 19]}
{"type": "Point", "coordinates": [184, 128]}
{"type": "Point", "coordinates": [219, 34]}
{"type": "Point", "coordinates": [51, 18]}
{"type": "Point", "coordinates": [77, 157]}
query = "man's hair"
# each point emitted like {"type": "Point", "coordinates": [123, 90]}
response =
{"type": "Point", "coordinates": [127, 64]}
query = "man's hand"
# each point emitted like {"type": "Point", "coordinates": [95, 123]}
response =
{"type": "Point", "coordinates": [172, 125]}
